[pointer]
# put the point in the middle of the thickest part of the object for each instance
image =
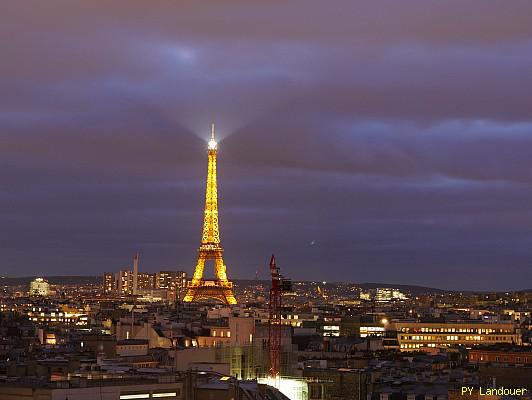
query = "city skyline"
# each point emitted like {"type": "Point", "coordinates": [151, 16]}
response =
{"type": "Point", "coordinates": [383, 143]}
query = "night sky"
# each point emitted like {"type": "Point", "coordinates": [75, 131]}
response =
{"type": "Point", "coordinates": [379, 141]}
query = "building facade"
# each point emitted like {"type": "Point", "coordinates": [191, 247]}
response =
{"type": "Point", "coordinates": [415, 335]}
{"type": "Point", "coordinates": [173, 281]}
{"type": "Point", "coordinates": [517, 355]}
{"type": "Point", "coordinates": [108, 282]}
{"type": "Point", "coordinates": [39, 288]}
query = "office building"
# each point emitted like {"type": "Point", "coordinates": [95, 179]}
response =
{"type": "Point", "coordinates": [39, 288]}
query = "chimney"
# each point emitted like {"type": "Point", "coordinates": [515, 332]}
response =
{"type": "Point", "coordinates": [135, 273]}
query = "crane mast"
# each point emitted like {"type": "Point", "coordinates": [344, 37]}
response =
{"type": "Point", "coordinates": [278, 286]}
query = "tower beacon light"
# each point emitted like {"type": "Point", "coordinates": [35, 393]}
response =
{"type": "Point", "coordinates": [212, 143]}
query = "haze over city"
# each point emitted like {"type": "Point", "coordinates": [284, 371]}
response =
{"type": "Point", "coordinates": [383, 142]}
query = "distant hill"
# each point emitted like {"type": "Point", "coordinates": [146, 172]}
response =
{"type": "Point", "coordinates": [54, 280]}
{"type": "Point", "coordinates": [413, 289]}
{"type": "Point", "coordinates": [74, 279]}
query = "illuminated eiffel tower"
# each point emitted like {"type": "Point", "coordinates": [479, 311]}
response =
{"type": "Point", "coordinates": [210, 249]}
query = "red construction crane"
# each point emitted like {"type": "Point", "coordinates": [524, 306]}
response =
{"type": "Point", "coordinates": [279, 285]}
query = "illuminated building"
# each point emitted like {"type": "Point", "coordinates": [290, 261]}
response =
{"type": "Point", "coordinates": [39, 288]}
{"type": "Point", "coordinates": [160, 286]}
{"type": "Point", "coordinates": [108, 282]}
{"type": "Point", "coordinates": [297, 320]}
{"type": "Point", "coordinates": [415, 335]}
{"type": "Point", "coordinates": [220, 289]}
{"type": "Point", "coordinates": [331, 326]}
{"type": "Point", "coordinates": [366, 331]}
{"type": "Point", "coordinates": [170, 279]}
{"type": "Point", "coordinates": [365, 295]}
{"type": "Point", "coordinates": [398, 295]}
{"type": "Point", "coordinates": [54, 315]}
{"type": "Point", "coordinates": [388, 294]}
{"type": "Point", "coordinates": [130, 282]}
{"type": "Point", "coordinates": [174, 281]}
{"type": "Point", "coordinates": [293, 388]}
{"type": "Point", "coordinates": [145, 281]}
{"type": "Point", "coordinates": [124, 282]}
{"type": "Point", "coordinates": [152, 295]}
{"type": "Point", "coordinates": [46, 338]}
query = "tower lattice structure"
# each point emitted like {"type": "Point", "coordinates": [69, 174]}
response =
{"type": "Point", "coordinates": [210, 249]}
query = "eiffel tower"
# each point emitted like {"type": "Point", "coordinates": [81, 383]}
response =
{"type": "Point", "coordinates": [221, 288]}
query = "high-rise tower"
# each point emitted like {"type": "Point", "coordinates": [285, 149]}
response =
{"type": "Point", "coordinates": [210, 249]}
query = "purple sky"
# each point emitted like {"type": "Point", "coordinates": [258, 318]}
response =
{"type": "Point", "coordinates": [394, 135]}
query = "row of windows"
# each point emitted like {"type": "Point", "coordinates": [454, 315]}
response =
{"type": "Point", "coordinates": [475, 338]}
{"type": "Point", "coordinates": [517, 359]}
{"type": "Point", "coordinates": [80, 321]}
{"type": "Point", "coordinates": [145, 365]}
{"type": "Point", "coordinates": [170, 394]}
{"type": "Point", "coordinates": [501, 358]}
{"type": "Point", "coordinates": [222, 333]}
{"type": "Point", "coordinates": [419, 345]}
{"type": "Point", "coordinates": [416, 345]}
{"type": "Point", "coordinates": [53, 314]}
{"type": "Point", "coordinates": [456, 330]}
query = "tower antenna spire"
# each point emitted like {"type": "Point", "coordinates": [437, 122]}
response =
{"type": "Point", "coordinates": [212, 142]}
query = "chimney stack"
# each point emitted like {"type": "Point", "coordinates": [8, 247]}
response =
{"type": "Point", "coordinates": [135, 273]}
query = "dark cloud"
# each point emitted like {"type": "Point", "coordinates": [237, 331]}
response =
{"type": "Point", "coordinates": [395, 135]}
